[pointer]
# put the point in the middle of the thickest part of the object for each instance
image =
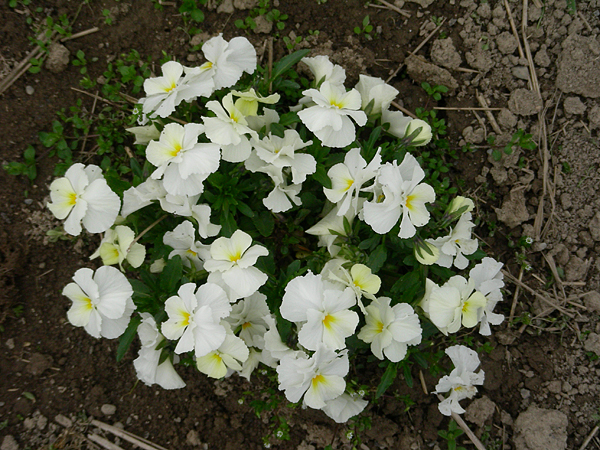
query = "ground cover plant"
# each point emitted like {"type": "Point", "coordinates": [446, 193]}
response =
{"type": "Point", "coordinates": [324, 254]}
{"type": "Point", "coordinates": [540, 364]}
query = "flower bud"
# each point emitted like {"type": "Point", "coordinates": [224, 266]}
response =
{"type": "Point", "coordinates": [421, 137]}
{"type": "Point", "coordinates": [426, 253]}
{"type": "Point", "coordinates": [459, 203]}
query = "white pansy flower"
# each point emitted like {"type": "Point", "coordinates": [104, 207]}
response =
{"type": "Point", "coordinates": [229, 129]}
{"type": "Point", "coordinates": [324, 70]}
{"type": "Point", "coordinates": [227, 61]}
{"type": "Point", "coordinates": [348, 178]}
{"type": "Point", "coordinates": [390, 329]}
{"type": "Point", "coordinates": [344, 407]}
{"type": "Point", "coordinates": [247, 102]}
{"type": "Point", "coordinates": [402, 196]}
{"type": "Point", "coordinates": [183, 241]}
{"type": "Point", "coordinates": [234, 258]}
{"type": "Point", "coordinates": [332, 222]}
{"type": "Point", "coordinates": [230, 355]}
{"type": "Point", "coordinates": [359, 278]}
{"type": "Point", "coordinates": [102, 302]}
{"type": "Point", "coordinates": [462, 380]}
{"type": "Point", "coordinates": [138, 197]}
{"type": "Point", "coordinates": [330, 118]}
{"type": "Point", "coordinates": [162, 93]}
{"type": "Point", "coordinates": [457, 244]}
{"type": "Point", "coordinates": [281, 197]}
{"type": "Point", "coordinates": [454, 304]}
{"type": "Point", "coordinates": [318, 379]}
{"type": "Point", "coordinates": [282, 152]}
{"type": "Point", "coordinates": [375, 90]}
{"type": "Point", "coordinates": [323, 308]}
{"type": "Point", "coordinates": [397, 121]}
{"type": "Point", "coordinates": [249, 316]}
{"type": "Point", "coordinates": [147, 365]}
{"type": "Point", "coordinates": [194, 318]}
{"type": "Point", "coordinates": [181, 161]}
{"type": "Point", "coordinates": [487, 278]}
{"type": "Point", "coordinates": [82, 196]}
{"type": "Point", "coordinates": [118, 245]}
{"type": "Point", "coordinates": [144, 134]}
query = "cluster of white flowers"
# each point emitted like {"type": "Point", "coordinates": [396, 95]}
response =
{"type": "Point", "coordinates": [225, 324]}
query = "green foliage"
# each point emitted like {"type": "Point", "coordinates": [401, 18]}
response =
{"type": "Point", "coordinates": [366, 28]}
{"type": "Point", "coordinates": [519, 139]}
{"type": "Point", "coordinates": [451, 435]}
{"type": "Point", "coordinates": [263, 9]}
{"type": "Point", "coordinates": [434, 92]}
{"type": "Point", "coordinates": [27, 167]}
{"type": "Point", "coordinates": [572, 6]}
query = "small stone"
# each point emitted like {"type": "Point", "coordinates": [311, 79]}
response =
{"type": "Point", "coordinates": [524, 102]}
{"type": "Point", "coordinates": [506, 119]}
{"type": "Point", "coordinates": [64, 421]}
{"type": "Point", "coordinates": [480, 59]}
{"type": "Point", "coordinates": [594, 117]}
{"type": "Point", "coordinates": [555, 386]}
{"type": "Point", "coordinates": [594, 227]}
{"type": "Point", "coordinates": [520, 72]}
{"type": "Point", "coordinates": [226, 7]}
{"type": "Point", "coordinates": [561, 254]}
{"type": "Point", "coordinates": [443, 53]}
{"type": "Point", "coordinates": [29, 90]}
{"type": "Point", "coordinates": [193, 439]}
{"type": "Point", "coordinates": [9, 443]}
{"type": "Point", "coordinates": [592, 301]}
{"type": "Point", "coordinates": [541, 57]}
{"type": "Point", "coordinates": [421, 71]}
{"type": "Point", "coordinates": [506, 43]}
{"type": "Point", "coordinates": [573, 105]}
{"type": "Point", "coordinates": [576, 269]}
{"type": "Point", "coordinates": [480, 411]}
{"type": "Point", "coordinates": [58, 58]}
{"type": "Point", "coordinates": [592, 343]}
{"type": "Point", "coordinates": [514, 210]}
{"type": "Point", "coordinates": [538, 428]}
{"type": "Point", "coordinates": [10, 344]}
{"type": "Point", "coordinates": [38, 364]}
{"type": "Point", "coordinates": [262, 25]}
{"type": "Point", "coordinates": [108, 410]}
{"type": "Point", "coordinates": [473, 136]}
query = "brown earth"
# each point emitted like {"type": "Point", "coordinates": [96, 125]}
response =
{"type": "Point", "coordinates": [547, 357]}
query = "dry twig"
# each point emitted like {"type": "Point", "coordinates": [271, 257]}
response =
{"type": "Point", "coordinates": [482, 101]}
{"type": "Point", "coordinates": [404, 110]}
{"type": "Point", "coordinates": [390, 7]}
{"type": "Point", "coordinates": [413, 53]}
{"type": "Point", "coordinates": [461, 423]}
{"type": "Point", "coordinates": [126, 435]}
{"type": "Point", "coordinates": [543, 298]}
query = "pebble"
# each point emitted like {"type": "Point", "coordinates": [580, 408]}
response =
{"type": "Point", "coordinates": [108, 410]}
{"type": "Point", "coordinates": [10, 343]}
{"type": "Point", "coordinates": [29, 90]}
{"type": "Point", "coordinates": [9, 443]}
{"type": "Point", "coordinates": [591, 302]}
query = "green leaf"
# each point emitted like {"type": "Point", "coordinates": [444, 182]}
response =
{"type": "Point", "coordinates": [197, 16]}
{"type": "Point", "coordinates": [377, 258]}
{"type": "Point", "coordinates": [287, 62]}
{"type": "Point", "coordinates": [171, 274]}
{"type": "Point", "coordinates": [244, 209]}
{"type": "Point", "coordinates": [387, 379]}
{"type": "Point", "coordinates": [127, 337]}
{"type": "Point", "coordinates": [265, 223]}
{"type": "Point", "coordinates": [321, 177]}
